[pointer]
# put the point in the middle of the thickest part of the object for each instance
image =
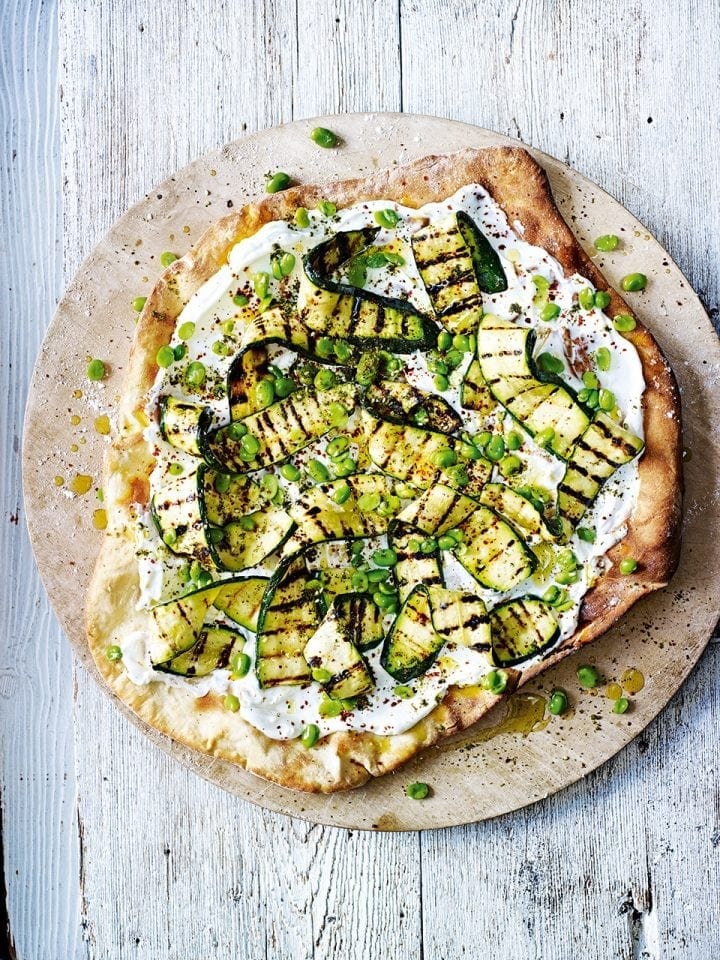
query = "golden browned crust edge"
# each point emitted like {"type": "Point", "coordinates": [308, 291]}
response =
{"type": "Point", "coordinates": [348, 759]}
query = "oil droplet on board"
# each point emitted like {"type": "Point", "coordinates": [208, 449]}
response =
{"type": "Point", "coordinates": [524, 714]}
{"type": "Point", "coordinates": [77, 394]}
{"type": "Point", "coordinates": [102, 425]}
{"type": "Point", "coordinates": [59, 481]}
{"type": "Point", "coordinates": [632, 680]}
{"type": "Point", "coordinates": [100, 519]}
{"type": "Point", "coordinates": [80, 484]}
{"type": "Point", "coordinates": [75, 420]}
{"type": "Point", "coordinates": [613, 691]}
{"type": "Point", "coordinates": [186, 229]}
{"type": "Point", "coordinates": [74, 448]}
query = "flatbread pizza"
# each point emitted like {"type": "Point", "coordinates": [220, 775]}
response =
{"type": "Point", "coordinates": [387, 448]}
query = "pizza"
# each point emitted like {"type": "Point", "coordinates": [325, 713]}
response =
{"type": "Point", "coordinates": [387, 449]}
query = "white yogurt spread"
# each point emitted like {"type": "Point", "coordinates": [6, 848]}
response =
{"type": "Point", "coordinates": [283, 712]}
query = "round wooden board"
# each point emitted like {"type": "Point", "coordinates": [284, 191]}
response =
{"type": "Point", "coordinates": [491, 769]}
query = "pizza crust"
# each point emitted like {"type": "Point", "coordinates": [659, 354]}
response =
{"type": "Point", "coordinates": [348, 759]}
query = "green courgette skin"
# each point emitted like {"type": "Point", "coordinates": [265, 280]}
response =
{"type": "Point", "coordinates": [286, 622]}
{"type": "Point", "coordinates": [213, 650]}
{"type": "Point", "coordinates": [400, 402]}
{"type": "Point", "coordinates": [488, 268]}
{"type": "Point", "coordinates": [412, 644]}
{"type": "Point", "coordinates": [328, 256]}
{"type": "Point", "coordinates": [183, 422]}
{"type": "Point", "coordinates": [246, 371]}
{"type": "Point", "coordinates": [521, 629]}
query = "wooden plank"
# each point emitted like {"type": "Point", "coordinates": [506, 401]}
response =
{"type": "Point", "coordinates": [348, 58]}
{"type": "Point", "coordinates": [40, 839]}
{"type": "Point", "coordinates": [622, 94]}
{"type": "Point", "coordinates": [594, 871]}
{"type": "Point", "coordinates": [233, 879]}
{"type": "Point", "coordinates": [623, 864]}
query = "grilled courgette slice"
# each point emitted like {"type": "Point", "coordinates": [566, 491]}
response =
{"type": "Point", "coordinates": [438, 510]}
{"type": "Point", "coordinates": [363, 620]}
{"type": "Point", "coordinates": [280, 430]}
{"type": "Point", "coordinates": [400, 402]}
{"type": "Point", "coordinates": [460, 618]}
{"type": "Point", "coordinates": [330, 653]}
{"type": "Point", "coordinates": [522, 514]}
{"type": "Point", "coordinates": [246, 371]}
{"type": "Point", "coordinates": [411, 454]}
{"type": "Point", "coordinates": [245, 543]}
{"type": "Point", "coordinates": [603, 448]}
{"type": "Point", "coordinates": [182, 422]}
{"type": "Point", "coordinates": [414, 566]}
{"type": "Point", "coordinates": [493, 552]}
{"type": "Point", "coordinates": [177, 511]}
{"type": "Point", "coordinates": [522, 629]}
{"type": "Point", "coordinates": [488, 268]}
{"type": "Point", "coordinates": [446, 268]}
{"type": "Point", "coordinates": [475, 393]}
{"type": "Point", "coordinates": [227, 497]}
{"type": "Point", "coordinates": [240, 600]}
{"type": "Point", "coordinates": [213, 650]}
{"type": "Point", "coordinates": [289, 616]}
{"type": "Point", "coordinates": [505, 355]}
{"type": "Point", "coordinates": [327, 257]}
{"type": "Point", "coordinates": [177, 624]}
{"type": "Point", "coordinates": [412, 644]}
{"type": "Point", "coordinates": [321, 518]}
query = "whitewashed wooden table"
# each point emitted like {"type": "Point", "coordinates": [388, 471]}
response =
{"type": "Point", "coordinates": [110, 849]}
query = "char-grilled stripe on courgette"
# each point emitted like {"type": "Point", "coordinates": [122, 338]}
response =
{"type": "Point", "coordinates": [213, 650]}
{"type": "Point", "coordinates": [330, 562]}
{"type": "Point", "coordinates": [282, 325]}
{"type": "Point", "coordinates": [363, 619]}
{"type": "Point", "coordinates": [475, 393]}
{"type": "Point", "coordinates": [289, 616]}
{"type": "Point", "coordinates": [511, 505]}
{"type": "Point", "coordinates": [521, 629]}
{"type": "Point", "coordinates": [447, 271]}
{"type": "Point", "coordinates": [246, 371]}
{"type": "Point", "coordinates": [411, 454]}
{"type": "Point", "coordinates": [240, 600]}
{"type": "Point", "coordinates": [280, 430]}
{"type": "Point", "coordinates": [367, 321]}
{"type": "Point", "coordinates": [438, 510]}
{"type": "Point", "coordinates": [460, 618]}
{"type": "Point", "coordinates": [177, 624]}
{"type": "Point", "coordinates": [488, 268]}
{"type": "Point", "coordinates": [400, 402]}
{"type": "Point", "coordinates": [493, 552]}
{"type": "Point", "coordinates": [176, 509]}
{"type": "Point", "coordinates": [603, 448]}
{"type": "Point", "coordinates": [327, 257]}
{"type": "Point", "coordinates": [320, 518]}
{"type": "Point", "coordinates": [414, 565]}
{"type": "Point", "coordinates": [182, 422]}
{"type": "Point", "coordinates": [331, 651]}
{"type": "Point", "coordinates": [505, 355]}
{"type": "Point", "coordinates": [412, 644]}
{"type": "Point", "coordinates": [226, 498]}
{"type": "Point", "coordinates": [245, 543]}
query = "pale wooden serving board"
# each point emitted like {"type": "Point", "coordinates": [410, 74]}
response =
{"type": "Point", "coordinates": [492, 769]}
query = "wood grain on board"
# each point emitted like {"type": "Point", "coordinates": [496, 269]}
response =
{"type": "Point", "coordinates": [625, 861]}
